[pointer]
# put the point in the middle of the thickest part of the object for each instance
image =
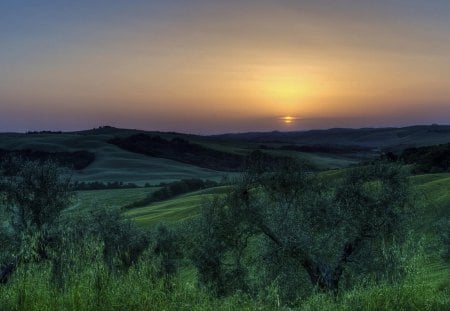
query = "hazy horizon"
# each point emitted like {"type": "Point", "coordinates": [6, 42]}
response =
{"type": "Point", "coordinates": [211, 67]}
{"type": "Point", "coordinates": [287, 130]}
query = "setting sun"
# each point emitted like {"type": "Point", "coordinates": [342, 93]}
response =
{"type": "Point", "coordinates": [288, 119]}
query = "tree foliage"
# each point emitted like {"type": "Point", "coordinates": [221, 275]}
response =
{"type": "Point", "coordinates": [34, 195]}
{"type": "Point", "coordinates": [302, 219]}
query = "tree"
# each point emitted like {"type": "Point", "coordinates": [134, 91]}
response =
{"type": "Point", "coordinates": [34, 195]}
{"type": "Point", "coordinates": [222, 237]}
{"type": "Point", "coordinates": [123, 241]}
{"type": "Point", "coordinates": [307, 220]}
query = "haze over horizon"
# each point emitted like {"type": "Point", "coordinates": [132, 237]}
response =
{"type": "Point", "coordinates": [223, 66]}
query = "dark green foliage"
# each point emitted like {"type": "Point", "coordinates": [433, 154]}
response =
{"type": "Point", "coordinates": [304, 222]}
{"type": "Point", "coordinates": [184, 151]}
{"type": "Point", "coordinates": [34, 198]}
{"type": "Point", "coordinates": [36, 195]}
{"type": "Point", "coordinates": [221, 240]}
{"type": "Point", "coordinates": [98, 185]}
{"type": "Point", "coordinates": [180, 150]}
{"type": "Point", "coordinates": [430, 159]}
{"type": "Point", "coordinates": [123, 241]}
{"type": "Point", "coordinates": [168, 248]}
{"type": "Point", "coordinates": [325, 148]}
{"type": "Point", "coordinates": [76, 160]}
{"type": "Point", "coordinates": [91, 235]}
{"type": "Point", "coordinates": [444, 231]}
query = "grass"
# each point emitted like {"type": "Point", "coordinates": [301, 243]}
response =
{"type": "Point", "coordinates": [432, 188]}
{"type": "Point", "coordinates": [114, 164]}
{"type": "Point", "coordinates": [111, 163]}
{"type": "Point", "coordinates": [110, 197]}
{"type": "Point", "coordinates": [93, 288]}
{"type": "Point", "coordinates": [176, 209]}
{"type": "Point", "coordinates": [426, 287]}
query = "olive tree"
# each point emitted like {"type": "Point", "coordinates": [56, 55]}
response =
{"type": "Point", "coordinates": [33, 196]}
{"type": "Point", "coordinates": [319, 225]}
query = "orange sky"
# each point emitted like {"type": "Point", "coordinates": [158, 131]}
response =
{"type": "Point", "coordinates": [214, 66]}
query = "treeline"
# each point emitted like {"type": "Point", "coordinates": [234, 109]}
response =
{"type": "Point", "coordinates": [76, 160]}
{"type": "Point", "coordinates": [174, 189]}
{"type": "Point", "coordinates": [430, 159]}
{"type": "Point", "coordinates": [333, 149]}
{"type": "Point", "coordinates": [180, 150]}
{"type": "Point", "coordinates": [98, 185]}
{"type": "Point", "coordinates": [43, 132]}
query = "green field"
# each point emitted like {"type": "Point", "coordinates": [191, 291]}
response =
{"type": "Point", "coordinates": [175, 209]}
{"type": "Point", "coordinates": [425, 289]}
{"type": "Point", "coordinates": [111, 163]}
{"type": "Point", "coordinates": [179, 208]}
{"type": "Point", "coordinates": [110, 198]}
{"type": "Point", "coordinates": [426, 286]}
{"type": "Point", "coordinates": [432, 189]}
{"type": "Point", "coordinates": [115, 164]}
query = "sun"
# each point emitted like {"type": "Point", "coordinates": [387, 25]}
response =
{"type": "Point", "coordinates": [288, 119]}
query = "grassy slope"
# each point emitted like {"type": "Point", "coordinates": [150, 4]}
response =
{"type": "Point", "coordinates": [175, 209]}
{"type": "Point", "coordinates": [426, 289]}
{"type": "Point", "coordinates": [110, 197]}
{"type": "Point", "coordinates": [433, 191]}
{"type": "Point", "coordinates": [115, 164]}
{"type": "Point", "coordinates": [112, 163]}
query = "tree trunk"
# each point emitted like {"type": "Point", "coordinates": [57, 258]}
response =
{"type": "Point", "coordinates": [324, 277]}
{"type": "Point", "coordinates": [6, 271]}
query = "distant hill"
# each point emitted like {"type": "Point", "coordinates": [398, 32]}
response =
{"type": "Point", "coordinates": [181, 150]}
{"type": "Point", "coordinates": [204, 156]}
{"type": "Point", "coordinates": [381, 138]}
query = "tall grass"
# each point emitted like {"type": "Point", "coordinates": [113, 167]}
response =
{"type": "Point", "coordinates": [91, 286]}
{"type": "Point", "coordinates": [95, 288]}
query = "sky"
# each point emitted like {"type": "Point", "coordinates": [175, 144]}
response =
{"type": "Point", "coordinates": [223, 66]}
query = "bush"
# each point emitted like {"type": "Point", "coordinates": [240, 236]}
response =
{"type": "Point", "coordinates": [167, 247]}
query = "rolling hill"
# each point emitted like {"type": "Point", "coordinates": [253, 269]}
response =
{"type": "Point", "coordinates": [324, 149]}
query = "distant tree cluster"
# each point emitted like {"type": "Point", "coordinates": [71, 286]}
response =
{"type": "Point", "coordinates": [43, 132]}
{"type": "Point", "coordinates": [323, 148]}
{"type": "Point", "coordinates": [430, 159]}
{"type": "Point", "coordinates": [98, 185]}
{"type": "Point", "coordinates": [180, 150]}
{"type": "Point", "coordinates": [76, 160]}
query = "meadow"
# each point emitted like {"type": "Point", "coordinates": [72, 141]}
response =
{"type": "Point", "coordinates": [208, 250]}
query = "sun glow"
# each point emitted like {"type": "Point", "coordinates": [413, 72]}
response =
{"type": "Point", "coordinates": [286, 89]}
{"type": "Point", "coordinates": [288, 119]}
